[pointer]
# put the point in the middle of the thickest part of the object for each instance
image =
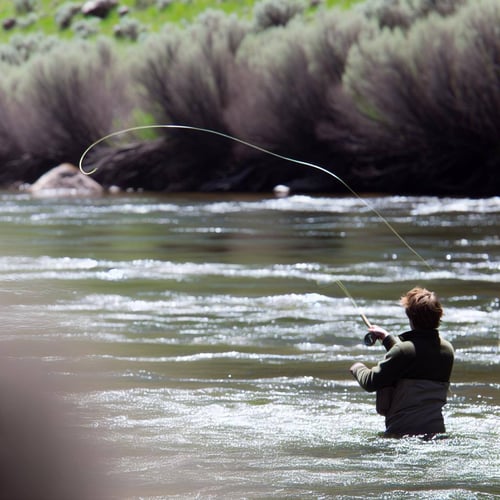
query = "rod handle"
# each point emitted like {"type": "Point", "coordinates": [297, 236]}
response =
{"type": "Point", "coordinates": [365, 320]}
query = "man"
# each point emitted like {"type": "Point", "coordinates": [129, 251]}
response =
{"type": "Point", "coordinates": [412, 380]}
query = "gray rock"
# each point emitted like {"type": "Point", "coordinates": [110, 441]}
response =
{"type": "Point", "coordinates": [9, 23]}
{"type": "Point", "coordinates": [98, 8]}
{"type": "Point", "coordinates": [65, 180]}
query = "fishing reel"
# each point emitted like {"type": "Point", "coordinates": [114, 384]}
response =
{"type": "Point", "coordinates": [370, 339]}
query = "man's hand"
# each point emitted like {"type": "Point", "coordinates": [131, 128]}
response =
{"type": "Point", "coordinates": [355, 366]}
{"type": "Point", "coordinates": [378, 332]}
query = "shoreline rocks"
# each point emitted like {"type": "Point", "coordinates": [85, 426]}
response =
{"type": "Point", "coordinates": [65, 180]}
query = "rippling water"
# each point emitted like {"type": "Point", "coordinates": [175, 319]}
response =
{"type": "Point", "coordinates": [208, 342]}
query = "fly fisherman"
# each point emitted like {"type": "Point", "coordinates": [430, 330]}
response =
{"type": "Point", "coordinates": [412, 380]}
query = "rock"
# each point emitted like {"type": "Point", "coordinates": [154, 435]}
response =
{"type": "Point", "coordinates": [281, 191]}
{"type": "Point", "coordinates": [98, 8]}
{"type": "Point", "coordinates": [9, 23]}
{"type": "Point", "coordinates": [65, 180]}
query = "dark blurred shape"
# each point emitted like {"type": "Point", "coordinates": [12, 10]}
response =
{"type": "Point", "coordinates": [98, 8]}
{"type": "Point", "coordinates": [45, 452]}
{"type": "Point", "coordinates": [9, 23]}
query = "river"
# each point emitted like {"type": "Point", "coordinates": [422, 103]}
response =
{"type": "Point", "coordinates": [206, 341]}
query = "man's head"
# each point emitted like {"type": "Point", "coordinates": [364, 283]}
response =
{"type": "Point", "coordinates": [422, 308]}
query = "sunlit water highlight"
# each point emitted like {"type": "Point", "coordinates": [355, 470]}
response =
{"type": "Point", "coordinates": [207, 340]}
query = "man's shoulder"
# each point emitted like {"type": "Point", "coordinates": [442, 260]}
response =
{"type": "Point", "coordinates": [402, 348]}
{"type": "Point", "coordinates": [446, 346]}
{"type": "Point", "coordinates": [407, 347]}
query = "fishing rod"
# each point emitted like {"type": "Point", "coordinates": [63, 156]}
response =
{"type": "Point", "coordinates": [349, 296]}
{"type": "Point", "coordinates": [369, 338]}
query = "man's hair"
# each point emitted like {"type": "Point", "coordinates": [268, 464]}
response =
{"type": "Point", "coordinates": [422, 308]}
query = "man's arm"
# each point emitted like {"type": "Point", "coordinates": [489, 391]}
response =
{"type": "Point", "coordinates": [386, 373]}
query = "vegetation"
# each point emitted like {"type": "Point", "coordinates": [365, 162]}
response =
{"type": "Point", "coordinates": [391, 95]}
{"type": "Point", "coordinates": [59, 17]}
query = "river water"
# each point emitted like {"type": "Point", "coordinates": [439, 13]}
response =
{"type": "Point", "coordinates": [206, 341]}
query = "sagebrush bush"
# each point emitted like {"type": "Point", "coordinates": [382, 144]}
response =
{"type": "Point", "coordinates": [86, 28]}
{"type": "Point", "coordinates": [65, 13]}
{"type": "Point", "coordinates": [332, 39]}
{"type": "Point", "coordinates": [403, 13]}
{"type": "Point", "coordinates": [21, 48]}
{"type": "Point", "coordinates": [426, 102]}
{"type": "Point", "coordinates": [270, 13]}
{"type": "Point", "coordinates": [278, 108]}
{"type": "Point", "coordinates": [131, 29]}
{"type": "Point", "coordinates": [9, 148]}
{"type": "Point", "coordinates": [70, 99]}
{"type": "Point", "coordinates": [24, 6]}
{"type": "Point", "coordinates": [403, 105]}
{"type": "Point", "coordinates": [188, 80]}
{"type": "Point", "coordinates": [144, 4]}
{"type": "Point", "coordinates": [332, 44]}
{"type": "Point", "coordinates": [27, 20]}
{"type": "Point", "coordinates": [163, 4]}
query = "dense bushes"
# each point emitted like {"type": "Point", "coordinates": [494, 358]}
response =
{"type": "Point", "coordinates": [427, 102]}
{"type": "Point", "coordinates": [61, 103]}
{"type": "Point", "coordinates": [396, 96]}
{"type": "Point", "coordinates": [193, 84]}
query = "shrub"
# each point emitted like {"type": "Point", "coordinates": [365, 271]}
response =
{"type": "Point", "coordinates": [130, 29]}
{"type": "Point", "coordinates": [9, 148]}
{"type": "Point", "coordinates": [65, 13]}
{"type": "Point", "coordinates": [21, 48]}
{"type": "Point", "coordinates": [163, 4]}
{"type": "Point", "coordinates": [278, 108]}
{"type": "Point", "coordinates": [403, 13]}
{"type": "Point", "coordinates": [333, 37]}
{"type": "Point", "coordinates": [284, 106]}
{"type": "Point", "coordinates": [270, 13]}
{"type": "Point", "coordinates": [427, 103]}
{"type": "Point", "coordinates": [70, 99]}
{"type": "Point", "coordinates": [396, 95]}
{"type": "Point", "coordinates": [188, 79]}
{"type": "Point", "coordinates": [144, 4]}
{"type": "Point", "coordinates": [24, 6]}
{"type": "Point", "coordinates": [27, 20]}
{"type": "Point", "coordinates": [86, 28]}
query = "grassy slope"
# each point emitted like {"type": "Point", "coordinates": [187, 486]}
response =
{"type": "Point", "coordinates": [179, 12]}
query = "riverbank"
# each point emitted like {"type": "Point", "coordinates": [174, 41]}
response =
{"type": "Point", "coordinates": [390, 99]}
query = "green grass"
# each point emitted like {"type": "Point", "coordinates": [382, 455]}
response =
{"type": "Point", "coordinates": [179, 12]}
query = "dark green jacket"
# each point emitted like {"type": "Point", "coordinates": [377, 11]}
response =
{"type": "Point", "coordinates": [416, 369]}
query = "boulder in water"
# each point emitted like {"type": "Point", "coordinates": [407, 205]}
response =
{"type": "Point", "coordinates": [65, 180]}
{"type": "Point", "coordinates": [281, 191]}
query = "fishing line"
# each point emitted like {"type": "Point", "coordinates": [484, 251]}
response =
{"type": "Point", "coordinates": [258, 148]}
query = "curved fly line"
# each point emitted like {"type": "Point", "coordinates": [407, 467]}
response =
{"type": "Point", "coordinates": [263, 150]}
